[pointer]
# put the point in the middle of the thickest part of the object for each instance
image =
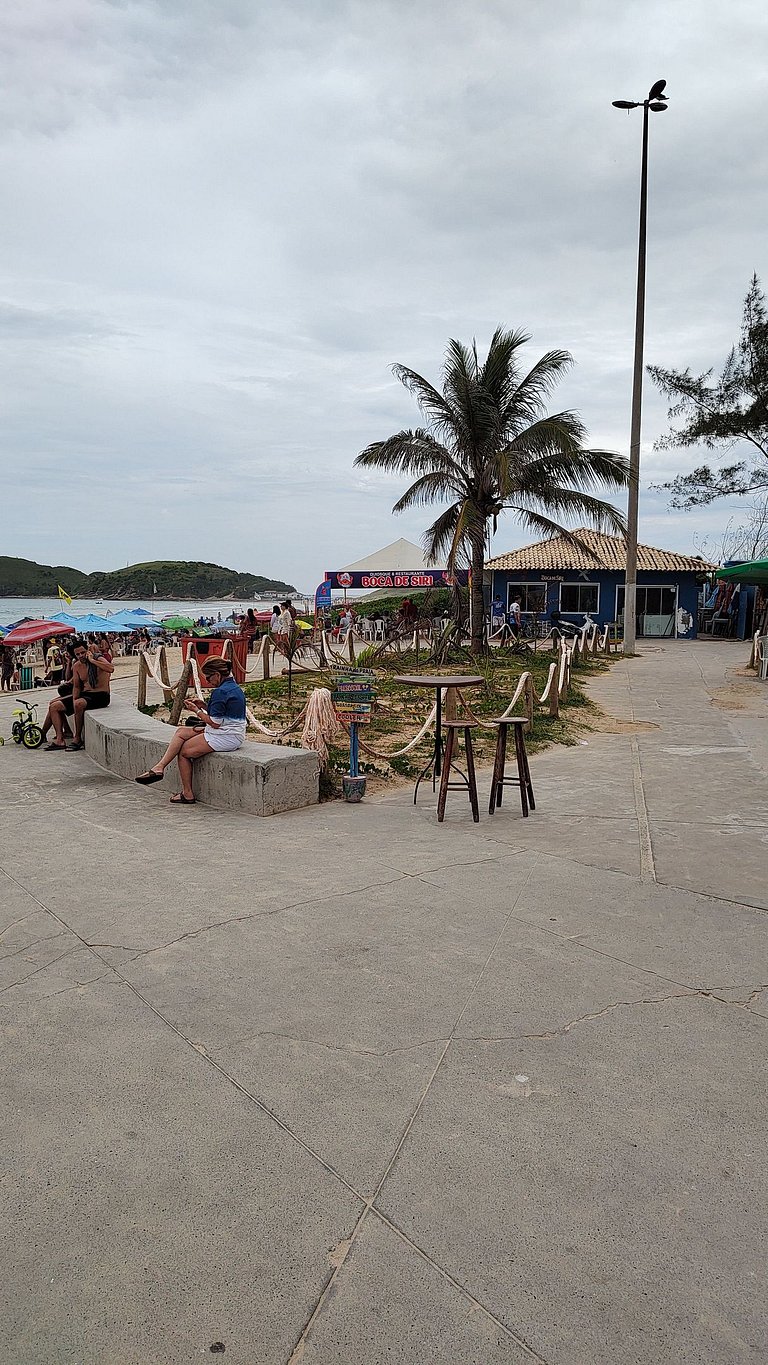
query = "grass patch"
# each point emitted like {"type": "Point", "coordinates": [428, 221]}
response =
{"type": "Point", "coordinates": [400, 710]}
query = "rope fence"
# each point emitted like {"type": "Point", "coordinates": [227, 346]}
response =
{"type": "Point", "coordinates": [318, 717]}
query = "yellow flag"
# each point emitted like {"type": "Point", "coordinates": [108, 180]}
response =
{"type": "Point", "coordinates": [64, 596]}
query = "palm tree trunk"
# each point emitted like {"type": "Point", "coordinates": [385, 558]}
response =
{"type": "Point", "coordinates": [476, 596]}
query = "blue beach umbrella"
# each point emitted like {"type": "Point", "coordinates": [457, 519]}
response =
{"type": "Point", "coordinates": [133, 619]}
{"type": "Point", "coordinates": [90, 624]}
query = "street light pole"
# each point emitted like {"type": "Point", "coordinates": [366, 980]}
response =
{"type": "Point", "coordinates": [657, 102]}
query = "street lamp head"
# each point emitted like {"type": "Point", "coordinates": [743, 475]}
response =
{"type": "Point", "coordinates": [625, 104]}
{"type": "Point", "coordinates": [656, 91]}
{"type": "Point", "coordinates": [657, 106]}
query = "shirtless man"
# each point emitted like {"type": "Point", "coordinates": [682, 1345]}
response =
{"type": "Point", "coordinates": [90, 692]}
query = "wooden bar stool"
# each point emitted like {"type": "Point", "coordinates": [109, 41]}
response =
{"type": "Point", "coordinates": [523, 779]}
{"type": "Point", "coordinates": [467, 783]}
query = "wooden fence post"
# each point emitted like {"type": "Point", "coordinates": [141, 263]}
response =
{"type": "Point", "coordinates": [530, 699]}
{"type": "Point", "coordinates": [141, 697]}
{"type": "Point", "coordinates": [182, 687]}
{"type": "Point", "coordinates": [266, 648]}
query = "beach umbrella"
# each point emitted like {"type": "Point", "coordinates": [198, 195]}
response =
{"type": "Point", "coordinates": [177, 623]}
{"type": "Point", "coordinates": [754, 571]}
{"type": "Point", "coordinates": [305, 625]}
{"type": "Point", "coordinates": [31, 631]}
{"type": "Point", "coordinates": [91, 624]}
{"type": "Point", "coordinates": [133, 619]}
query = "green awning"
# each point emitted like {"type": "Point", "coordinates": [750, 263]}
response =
{"type": "Point", "coordinates": [756, 571]}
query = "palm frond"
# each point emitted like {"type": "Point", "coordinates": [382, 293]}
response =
{"type": "Point", "coordinates": [574, 505]}
{"type": "Point", "coordinates": [432, 487]}
{"type": "Point", "coordinates": [433, 404]}
{"type": "Point", "coordinates": [524, 405]}
{"type": "Point", "coordinates": [440, 537]}
{"type": "Point", "coordinates": [409, 452]}
{"type": "Point", "coordinates": [553, 452]}
{"type": "Point", "coordinates": [545, 526]}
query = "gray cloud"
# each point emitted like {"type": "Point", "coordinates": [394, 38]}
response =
{"type": "Point", "coordinates": [225, 220]}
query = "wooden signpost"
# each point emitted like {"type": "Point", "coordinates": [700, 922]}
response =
{"type": "Point", "coordinates": [353, 699]}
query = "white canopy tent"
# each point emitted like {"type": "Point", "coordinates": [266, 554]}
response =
{"type": "Point", "coordinates": [400, 555]}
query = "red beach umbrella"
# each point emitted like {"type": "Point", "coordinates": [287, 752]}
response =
{"type": "Point", "coordinates": [30, 631]}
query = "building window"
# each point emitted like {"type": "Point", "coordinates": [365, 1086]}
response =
{"type": "Point", "coordinates": [655, 607]}
{"type": "Point", "coordinates": [531, 596]}
{"type": "Point", "coordinates": [579, 598]}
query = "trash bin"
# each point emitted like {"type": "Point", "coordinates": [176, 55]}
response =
{"type": "Point", "coordinates": [201, 649]}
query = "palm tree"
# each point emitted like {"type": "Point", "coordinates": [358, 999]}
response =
{"type": "Point", "coordinates": [489, 446]}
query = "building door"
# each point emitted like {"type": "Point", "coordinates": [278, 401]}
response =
{"type": "Point", "coordinates": [656, 609]}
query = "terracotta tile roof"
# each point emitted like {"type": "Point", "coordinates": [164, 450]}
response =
{"type": "Point", "coordinates": [608, 552]}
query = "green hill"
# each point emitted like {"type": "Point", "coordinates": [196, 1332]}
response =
{"type": "Point", "coordinates": [25, 578]}
{"type": "Point", "coordinates": [182, 579]}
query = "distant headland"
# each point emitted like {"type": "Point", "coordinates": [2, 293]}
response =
{"type": "Point", "coordinates": [186, 580]}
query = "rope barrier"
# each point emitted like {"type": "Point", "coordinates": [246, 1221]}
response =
{"type": "Point", "coordinates": [319, 728]}
{"type": "Point", "coordinates": [398, 753]}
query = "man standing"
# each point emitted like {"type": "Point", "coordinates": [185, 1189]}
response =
{"type": "Point", "coordinates": [7, 667]}
{"type": "Point", "coordinates": [90, 692]}
{"type": "Point", "coordinates": [515, 617]}
{"type": "Point", "coordinates": [54, 665]}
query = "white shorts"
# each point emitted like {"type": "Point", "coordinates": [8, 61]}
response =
{"type": "Point", "coordinates": [222, 741]}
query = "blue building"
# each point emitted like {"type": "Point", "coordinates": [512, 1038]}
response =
{"type": "Point", "coordinates": [558, 575]}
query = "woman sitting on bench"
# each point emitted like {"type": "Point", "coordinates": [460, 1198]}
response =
{"type": "Point", "coordinates": [222, 731]}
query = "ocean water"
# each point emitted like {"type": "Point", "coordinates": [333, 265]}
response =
{"type": "Point", "coordinates": [13, 608]}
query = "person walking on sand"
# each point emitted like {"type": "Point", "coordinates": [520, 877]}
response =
{"type": "Point", "coordinates": [223, 729]}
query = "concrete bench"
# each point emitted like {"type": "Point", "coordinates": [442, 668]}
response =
{"type": "Point", "coordinates": [258, 779]}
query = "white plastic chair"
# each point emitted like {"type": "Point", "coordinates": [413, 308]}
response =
{"type": "Point", "coordinates": [762, 657]}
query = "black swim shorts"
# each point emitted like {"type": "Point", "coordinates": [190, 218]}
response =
{"type": "Point", "coordinates": [94, 701]}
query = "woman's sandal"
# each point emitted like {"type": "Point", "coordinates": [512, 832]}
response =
{"type": "Point", "coordinates": [146, 779]}
{"type": "Point", "coordinates": [181, 800]}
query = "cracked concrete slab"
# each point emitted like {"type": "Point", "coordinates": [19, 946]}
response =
{"type": "Point", "coordinates": [387, 969]}
{"type": "Point", "coordinates": [622, 1166]}
{"type": "Point", "coordinates": [156, 1210]}
{"type": "Point", "coordinates": [538, 983]}
{"type": "Point", "coordinates": [742, 876]}
{"type": "Point", "coordinates": [602, 842]}
{"type": "Point", "coordinates": [682, 936]}
{"type": "Point", "coordinates": [416, 1313]}
{"type": "Point", "coordinates": [351, 1104]}
{"type": "Point", "coordinates": [549, 1073]}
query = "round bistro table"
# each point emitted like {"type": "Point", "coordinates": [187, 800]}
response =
{"type": "Point", "coordinates": [438, 682]}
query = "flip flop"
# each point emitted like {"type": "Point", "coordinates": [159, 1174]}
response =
{"type": "Point", "coordinates": [73, 747]}
{"type": "Point", "coordinates": [181, 800]}
{"type": "Point", "coordinates": [146, 779]}
{"type": "Point", "coordinates": [55, 748]}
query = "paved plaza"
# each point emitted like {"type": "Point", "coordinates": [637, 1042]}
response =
{"type": "Point", "coordinates": [347, 1087]}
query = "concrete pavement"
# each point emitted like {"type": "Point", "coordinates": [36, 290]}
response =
{"type": "Point", "coordinates": [349, 1086]}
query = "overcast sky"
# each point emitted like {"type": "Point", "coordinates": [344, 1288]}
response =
{"type": "Point", "coordinates": [224, 220]}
